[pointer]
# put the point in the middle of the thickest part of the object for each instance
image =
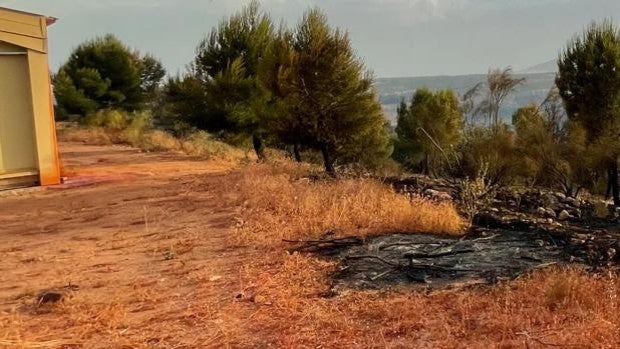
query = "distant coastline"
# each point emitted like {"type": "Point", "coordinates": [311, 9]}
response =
{"type": "Point", "coordinates": [393, 90]}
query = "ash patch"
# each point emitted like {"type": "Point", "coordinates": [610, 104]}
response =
{"type": "Point", "coordinates": [483, 257]}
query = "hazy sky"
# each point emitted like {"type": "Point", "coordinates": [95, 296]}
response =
{"type": "Point", "coordinates": [395, 37]}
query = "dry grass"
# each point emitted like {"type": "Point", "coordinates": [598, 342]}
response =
{"type": "Point", "coordinates": [280, 203]}
{"type": "Point", "coordinates": [292, 308]}
{"type": "Point", "coordinates": [144, 300]}
{"type": "Point", "coordinates": [90, 136]}
{"type": "Point", "coordinates": [292, 305]}
{"type": "Point", "coordinates": [198, 144]}
{"type": "Point", "coordinates": [89, 322]}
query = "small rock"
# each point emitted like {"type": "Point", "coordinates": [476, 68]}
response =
{"type": "Point", "coordinates": [431, 192]}
{"type": "Point", "coordinates": [582, 237]}
{"type": "Point", "coordinates": [53, 296]}
{"type": "Point", "coordinates": [611, 253]}
{"type": "Point", "coordinates": [550, 199]}
{"type": "Point", "coordinates": [572, 201]}
{"type": "Point", "coordinates": [541, 211]}
{"type": "Point", "coordinates": [564, 215]}
{"type": "Point", "coordinates": [444, 197]}
{"type": "Point", "coordinates": [49, 297]}
{"type": "Point", "coordinates": [435, 194]}
{"type": "Point", "coordinates": [551, 213]}
{"type": "Point", "coordinates": [560, 196]}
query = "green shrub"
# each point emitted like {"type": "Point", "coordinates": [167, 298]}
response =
{"type": "Point", "coordinates": [492, 151]}
{"type": "Point", "coordinates": [108, 118]}
{"type": "Point", "coordinates": [139, 124]}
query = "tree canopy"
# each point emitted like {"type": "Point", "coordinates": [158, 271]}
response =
{"type": "Point", "coordinates": [589, 83]}
{"type": "Point", "coordinates": [104, 73]}
{"type": "Point", "coordinates": [428, 130]}
{"type": "Point", "coordinates": [330, 95]}
{"type": "Point", "coordinates": [228, 66]}
{"type": "Point", "coordinates": [303, 87]}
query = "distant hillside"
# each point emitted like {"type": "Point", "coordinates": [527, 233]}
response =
{"type": "Point", "coordinates": [393, 90]}
{"type": "Point", "coordinates": [547, 67]}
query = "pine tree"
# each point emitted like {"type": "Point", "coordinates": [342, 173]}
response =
{"type": "Point", "coordinates": [186, 99]}
{"type": "Point", "coordinates": [331, 102]}
{"type": "Point", "coordinates": [589, 83]}
{"type": "Point", "coordinates": [103, 71]}
{"type": "Point", "coordinates": [281, 120]}
{"type": "Point", "coordinates": [228, 65]}
{"type": "Point", "coordinates": [152, 73]}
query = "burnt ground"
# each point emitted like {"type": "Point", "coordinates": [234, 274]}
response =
{"type": "Point", "coordinates": [483, 256]}
{"type": "Point", "coordinates": [435, 261]}
{"type": "Point", "coordinates": [518, 232]}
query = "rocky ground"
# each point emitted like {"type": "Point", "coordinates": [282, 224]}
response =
{"type": "Point", "coordinates": [514, 231]}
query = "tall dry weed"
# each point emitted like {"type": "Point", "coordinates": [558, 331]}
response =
{"type": "Point", "coordinates": [280, 203]}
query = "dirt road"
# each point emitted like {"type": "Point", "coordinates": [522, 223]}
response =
{"type": "Point", "coordinates": [141, 235]}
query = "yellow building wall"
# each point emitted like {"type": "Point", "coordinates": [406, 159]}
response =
{"type": "Point", "coordinates": [21, 23]}
{"type": "Point", "coordinates": [45, 128]}
{"type": "Point", "coordinates": [8, 48]}
{"type": "Point", "coordinates": [17, 137]}
{"type": "Point", "coordinates": [27, 130]}
{"type": "Point", "coordinates": [30, 43]}
{"type": "Point", "coordinates": [24, 30]}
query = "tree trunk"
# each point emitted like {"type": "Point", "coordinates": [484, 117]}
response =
{"type": "Point", "coordinates": [327, 161]}
{"type": "Point", "coordinates": [425, 165]}
{"type": "Point", "coordinates": [259, 147]}
{"type": "Point", "coordinates": [608, 190]}
{"type": "Point", "coordinates": [297, 152]}
{"type": "Point", "coordinates": [613, 182]}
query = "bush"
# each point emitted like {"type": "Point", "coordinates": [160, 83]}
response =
{"type": "Point", "coordinates": [139, 124]}
{"type": "Point", "coordinates": [158, 140]}
{"type": "Point", "coordinates": [107, 118]}
{"type": "Point", "coordinates": [492, 151]}
{"type": "Point", "coordinates": [474, 194]}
